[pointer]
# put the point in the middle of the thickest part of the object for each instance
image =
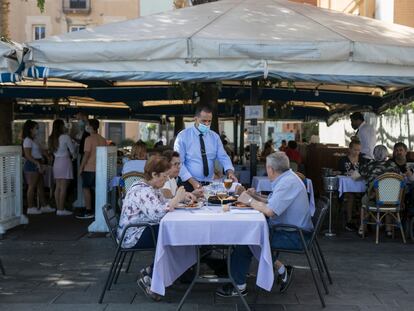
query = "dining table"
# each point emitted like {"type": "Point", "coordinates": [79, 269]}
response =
{"type": "Point", "coordinates": [183, 231]}
{"type": "Point", "coordinates": [348, 184]}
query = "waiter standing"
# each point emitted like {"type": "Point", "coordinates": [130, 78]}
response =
{"type": "Point", "coordinates": [365, 133]}
{"type": "Point", "coordinates": [199, 147]}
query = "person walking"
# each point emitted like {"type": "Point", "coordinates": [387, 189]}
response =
{"type": "Point", "coordinates": [61, 145]}
{"type": "Point", "coordinates": [87, 168]}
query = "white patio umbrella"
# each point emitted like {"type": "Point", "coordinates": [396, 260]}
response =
{"type": "Point", "coordinates": [235, 40]}
{"type": "Point", "coordinates": [10, 57]}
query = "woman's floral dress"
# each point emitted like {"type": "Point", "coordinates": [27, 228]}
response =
{"type": "Point", "coordinates": [142, 203]}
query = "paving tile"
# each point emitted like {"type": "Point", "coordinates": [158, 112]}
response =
{"type": "Point", "coordinates": [35, 296]}
{"type": "Point", "coordinates": [69, 275]}
{"type": "Point", "coordinates": [50, 307]}
{"type": "Point", "coordinates": [112, 296]}
{"type": "Point", "coordinates": [343, 299]}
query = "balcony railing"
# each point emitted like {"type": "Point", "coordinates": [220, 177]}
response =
{"type": "Point", "coordinates": [76, 6]}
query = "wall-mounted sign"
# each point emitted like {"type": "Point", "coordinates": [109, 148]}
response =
{"type": "Point", "coordinates": [253, 112]}
{"type": "Point", "coordinates": [253, 134]}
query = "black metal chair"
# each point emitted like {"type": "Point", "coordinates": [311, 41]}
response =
{"type": "Point", "coordinates": [2, 268]}
{"type": "Point", "coordinates": [112, 221]}
{"type": "Point", "coordinates": [310, 247]}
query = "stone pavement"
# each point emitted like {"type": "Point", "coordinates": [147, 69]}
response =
{"type": "Point", "coordinates": [69, 275]}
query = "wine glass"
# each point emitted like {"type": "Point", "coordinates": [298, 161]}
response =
{"type": "Point", "coordinates": [221, 195]}
{"type": "Point", "coordinates": [228, 183]}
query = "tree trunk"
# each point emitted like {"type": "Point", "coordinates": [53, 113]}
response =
{"type": "Point", "coordinates": [4, 10]}
{"type": "Point", "coordinates": [178, 125]}
{"type": "Point", "coordinates": [6, 120]}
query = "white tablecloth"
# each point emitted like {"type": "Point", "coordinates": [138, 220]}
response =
{"type": "Point", "coordinates": [181, 231]}
{"type": "Point", "coordinates": [262, 183]}
{"type": "Point", "coordinates": [347, 184]}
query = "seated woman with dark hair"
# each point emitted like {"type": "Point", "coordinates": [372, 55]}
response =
{"type": "Point", "coordinates": [268, 149]}
{"type": "Point", "coordinates": [144, 202]}
{"type": "Point", "coordinates": [170, 187]}
{"type": "Point", "coordinates": [370, 171]}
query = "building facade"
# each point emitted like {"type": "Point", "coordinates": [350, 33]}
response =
{"type": "Point", "coordinates": [394, 11]}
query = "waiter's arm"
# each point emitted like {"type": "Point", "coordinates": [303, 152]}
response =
{"type": "Point", "coordinates": [225, 161]}
{"type": "Point", "coordinates": [185, 175]}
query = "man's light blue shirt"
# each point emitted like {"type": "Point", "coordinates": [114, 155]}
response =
{"type": "Point", "coordinates": [187, 144]}
{"type": "Point", "coordinates": [289, 201]}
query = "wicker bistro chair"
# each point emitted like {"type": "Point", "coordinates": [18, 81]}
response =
{"type": "Point", "coordinates": [389, 192]}
{"type": "Point", "coordinates": [112, 221]}
{"type": "Point", "coordinates": [127, 180]}
{"type": "Point", "coordinates": [310, 247]}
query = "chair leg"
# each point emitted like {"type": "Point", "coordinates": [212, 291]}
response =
{"type": "Point", "coordinates": [318, 248]}
{"type": "Point", "coordinates": [314, 278]}
{"type": "Point", "coordinates": [109, 277]}
{"type": "Point", "coordinates": [401, 227]}
{"type": "Point", "coordinates": [129, 262]}
{"type": "Point", "coordinates": [120, 268]}
{"type": "Point", "coordinates": [377, 227]}
{"type": "Point", "coordinates": [2, 268]}
{"type": "Point", "coordinates": [319, 267]}
{"type": "Point", "coordinates": [111, 282]}
{"type": "Point", "coordinates": [411, 227]}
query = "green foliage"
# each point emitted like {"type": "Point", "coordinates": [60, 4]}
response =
{"type": "Point", "coordinates": [126, 143]}
{"type": "Point", "coordinates": [309, 129]}
{"type": "Point", "coordinates": [150, 143]}
{"type": "Point", "coordinates": [41, 5]}
{"type": "Point", "coordinates": [399, 109]}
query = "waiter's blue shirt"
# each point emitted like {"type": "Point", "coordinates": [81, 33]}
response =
{"type": "Point", "coordinates": [187, 144]}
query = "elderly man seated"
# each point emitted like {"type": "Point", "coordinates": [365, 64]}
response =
{"type": "Point", "coordinates": [289, 205]}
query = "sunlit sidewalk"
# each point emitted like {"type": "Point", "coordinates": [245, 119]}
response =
{"type": "Point", "coordinates": [58, 271]}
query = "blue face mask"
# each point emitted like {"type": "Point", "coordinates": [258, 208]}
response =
{"type": "Point", "coordinates": [203, 128]}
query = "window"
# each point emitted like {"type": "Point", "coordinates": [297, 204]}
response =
{"type": "Point", "coordinates": [77, 4]}
{"type": "Point", "coordinates": [39, 32]}
{"type": "Point", "coordinates": [116, 132]}
{"type": "Point", "coordinates": [76, 28]}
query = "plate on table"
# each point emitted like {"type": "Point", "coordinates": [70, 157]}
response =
{"type": "Point", "coordinates": [189, 205]}
{"type": "Point", "coordinates": [240, 205]}
{"type": "Point", "coordinates": [215, 200]}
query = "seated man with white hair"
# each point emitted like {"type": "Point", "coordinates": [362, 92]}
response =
{"type": "Point", "coordinates": [287, 205]}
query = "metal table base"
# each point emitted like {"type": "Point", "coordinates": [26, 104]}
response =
{"type": "Point", "coordinates": [200, 279]}
{"type": "Point", "coordinates": [329, 233]}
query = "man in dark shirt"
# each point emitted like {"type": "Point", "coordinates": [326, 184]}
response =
{"type": "Point", "coordinates": [400, 158]}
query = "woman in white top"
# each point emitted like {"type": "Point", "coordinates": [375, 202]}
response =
{"type": "Point", "coordinates": [137, 159]}
{"type": "Point", "coordinates": [170, 187]}
{"type": "Point", "coordinates": [33, 170]}
{"type": "Point", "coordinates": [60, 144]}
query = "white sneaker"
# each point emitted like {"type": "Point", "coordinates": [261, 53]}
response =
{"type": "Point", "coordinates": [33, 211]}
{"type": "Point", "coordinates": [63, 212]}
{"type": "Point", "coordinates": [47, 209]}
